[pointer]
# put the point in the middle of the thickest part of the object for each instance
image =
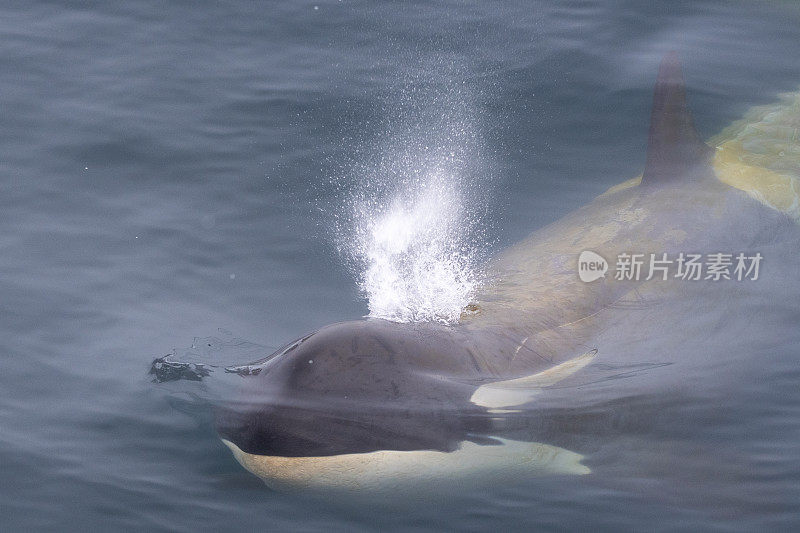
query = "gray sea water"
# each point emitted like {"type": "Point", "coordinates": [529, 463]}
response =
{"type": "Point", "coordinates": [174, 170]}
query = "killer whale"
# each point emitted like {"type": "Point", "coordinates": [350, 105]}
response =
{"type": "Point", "coordinates": [371, 403]}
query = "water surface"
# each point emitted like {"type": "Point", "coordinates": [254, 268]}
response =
{"type": "Point", "coordinates": [172, 169]}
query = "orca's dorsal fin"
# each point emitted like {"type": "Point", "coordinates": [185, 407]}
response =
{"type": "Point", "coordinates": [675, 150]}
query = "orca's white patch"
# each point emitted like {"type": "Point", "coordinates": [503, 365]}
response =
{"type": "Point", "coordinates": [392, 470]}
{"type": "Point", "coordinates": [514, 392]}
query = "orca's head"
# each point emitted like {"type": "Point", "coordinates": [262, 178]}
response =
{"type": "Point", "coordinates": [355, 387]}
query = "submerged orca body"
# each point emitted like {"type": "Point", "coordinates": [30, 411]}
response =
{"type": "Point", "coordinates": [373, 404]}
{"type": "Point", "coordinates": [370, 403]}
